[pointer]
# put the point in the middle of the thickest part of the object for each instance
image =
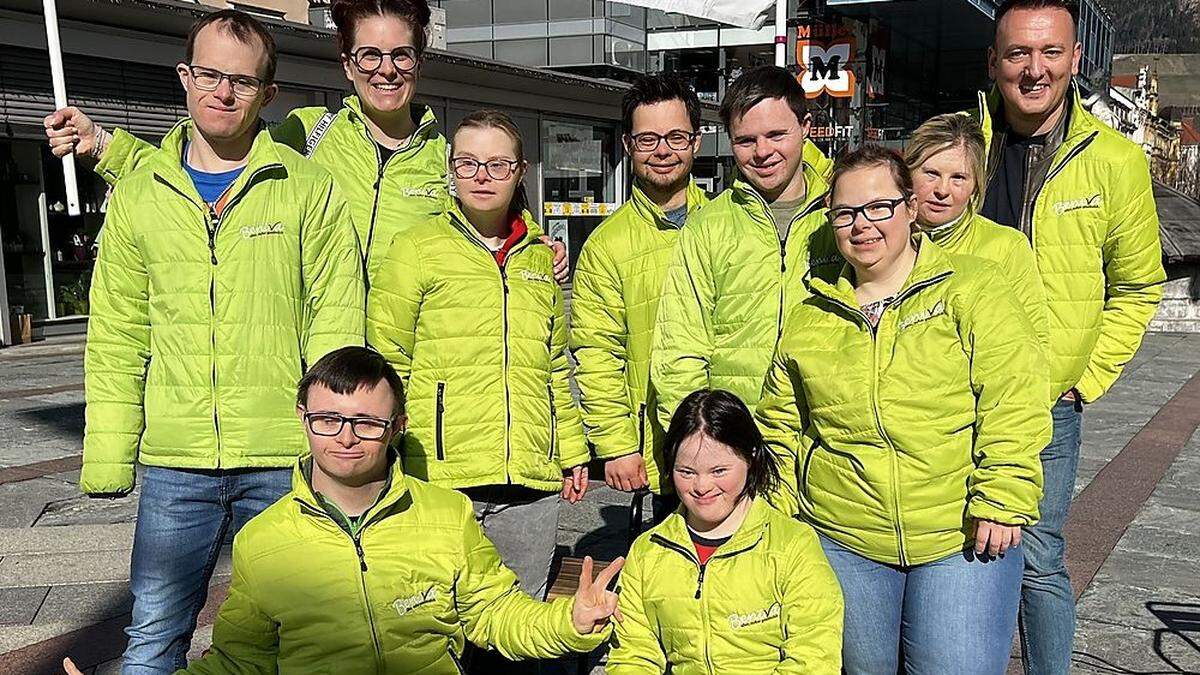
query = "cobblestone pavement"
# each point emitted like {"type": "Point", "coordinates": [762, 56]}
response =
{"type": "Point", "coordinates": [1135, 535]}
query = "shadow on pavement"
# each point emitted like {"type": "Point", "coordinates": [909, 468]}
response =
{"type": "Point", "coordinates": [1181, 621]}
{"type": "Point", "coordinates": [65, 419]}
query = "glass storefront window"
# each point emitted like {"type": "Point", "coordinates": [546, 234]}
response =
{"type": "Point", "coordinates": [72, 239]}
{"type": "Point", "coordinates": [579, 179]}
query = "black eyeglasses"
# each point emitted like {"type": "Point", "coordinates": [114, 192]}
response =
{"type": "Point", "coordinates": [331, 424]}
{"type": "Point", "coordinates": [648, 141]}
{"type": "Point", "coordinates": [208, 79]}
{"type": "Point", "coordinates": [369, 59]}
{"type": "Point", "coordinates": [876, 211]}
{"type": "Point", "coordinates": [498, 169]}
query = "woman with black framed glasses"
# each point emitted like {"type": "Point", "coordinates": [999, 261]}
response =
{"type": "Point", "coordinates": [907, 404]}
{"type": "Point", "coordinates": [465, 308]}
{"type": "Point", "coordinates": [384, 150]}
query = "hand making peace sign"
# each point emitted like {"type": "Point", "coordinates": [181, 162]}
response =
{"type": "Point", "coordinates": [594, 603]}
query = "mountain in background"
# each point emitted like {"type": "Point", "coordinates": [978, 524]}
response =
{"type": "Point", "coordinates": [1155, 26]}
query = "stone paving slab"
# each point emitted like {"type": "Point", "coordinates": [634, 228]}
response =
{"type": "Point", "coordinates": [19, 606]}
{"type": "Point", "coordinates": [79, 538]}
{"type": "Point", "coordinates": [1105, 648]}
{"type": "Point", "coordinates": [55, 569]}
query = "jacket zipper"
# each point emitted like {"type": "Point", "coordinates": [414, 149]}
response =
{"type": "Point", "coordinates": [1075, 152]}
{"type": "Point", "coordinates": [507, 392]}
{"type": "Point", "coordinates": [553, 421]}
{"type": "Point", "coordinates": [378, 182]}
{"type": "Point", "coordinates": [782, 243]}
{"type": "Point", "coordinates": [642, 428]}
{"type": "Point", "coordinates": [439, 422]}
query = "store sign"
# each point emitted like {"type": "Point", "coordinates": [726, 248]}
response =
{"type": "Point", "coordinates": [578, 208]}
{"type": "Point", "coordinates": [831, 132]}
{"type": "Point", "coordinates": [824, 53]}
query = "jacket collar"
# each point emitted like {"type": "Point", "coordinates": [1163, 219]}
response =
{"type": "Point", "coordinates": [674, 530]}
{"type": "Point", "coordinates": [748, 197]}
{"type": "Point", "coordinates": [168, 160]}
{"type": "Point", "coordinates": [1079, 122]}
{"type": "Point", "coordinates": [932, 265]}
{"type": "Point", "coordinates": [953, 232]}
{"type": "Point", "coordinates": [646, 210]}
{"type": "Point", "coordinates": [422, 115]}
{"type": "Point", "coordinates": [396, 496]}
{"type": "Point", "coordinates": [459, 221]}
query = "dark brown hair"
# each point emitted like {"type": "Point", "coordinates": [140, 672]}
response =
{"type": "Point", "coordinates": [870, 156]}
{"type": "Point", "coordinates": [1069, 6]}
{"type": "Point", "coordinates": [494, 119]}
{"type": "Point", "coordinates": [759, 84]}
{"type": "Point", "coordinates": [346, 370]}
{"type": "Point", "coordinates": [244, 28]}
{"type": "Point", "coordinates": [651, 89]}
{"type": "Point", "coordinates": [347, 13]}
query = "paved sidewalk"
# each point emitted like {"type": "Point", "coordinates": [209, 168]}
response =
{"type": "Point", "coordinates": [64, 558]}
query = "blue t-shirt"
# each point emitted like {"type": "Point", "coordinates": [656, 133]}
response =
{"type": "Point", "coordinates": [210, 185]}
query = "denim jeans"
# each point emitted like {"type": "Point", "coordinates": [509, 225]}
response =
{"type": "Point", "coordinates": [954, 615]}
{"type": "Point", "coordinates": [1047, 602]}
{"type": "Point", "coordinates": [183, 517]}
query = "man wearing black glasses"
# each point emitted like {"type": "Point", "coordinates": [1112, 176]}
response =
{"type": "Point", "coordinates": [618, 280]}
{"type": "Point", "coordinates": [227, 262]}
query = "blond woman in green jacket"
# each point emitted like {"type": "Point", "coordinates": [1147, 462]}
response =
{"type": "Point", "coordinates": [908, 404]}
{"type": "Point", "coordinates": [466, 309]}
{"type": "Point", "coordinates": [727, 583]}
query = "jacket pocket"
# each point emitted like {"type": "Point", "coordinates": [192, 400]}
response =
{"type": "Point", "coordinates": [553, 422]}
{"type": "Point", "coordinates": [439, 422]}
{"type": "Point", "coordinates": [642, 428]}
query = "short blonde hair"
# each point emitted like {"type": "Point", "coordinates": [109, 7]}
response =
{"type": "Point", "coordinates": [944, 132]}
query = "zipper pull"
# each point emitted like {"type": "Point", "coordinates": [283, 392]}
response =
{"type": "Point", "coordinates": [700, 580]}
{"type": "Point", "coordinates": [213, 222]}
{"type": "Point", "coordinates": [362, 560]}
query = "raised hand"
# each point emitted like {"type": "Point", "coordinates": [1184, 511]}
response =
{"type": "Point", "coordinates": [69, 130]}
{"type": "Point", "coordinates": [594, 603]}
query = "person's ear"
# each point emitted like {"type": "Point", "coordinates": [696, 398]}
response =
{"type": "Point", "coordinates": [806, 125]}
{"type": "Point", "coordinates": [269, 93]}
{"type": "Point", "coordinates": [300, 411]}
{"type": "Point", "coordinates": [181, 69]}
{"type": "Point", "coordinates": [1076, 57]}
{"type": "Point", "coordinates": [991, 63]}
{"type": "Point", "coordinates": [347, 67]}
{"type": "Point", "coordinates": [399, 424]}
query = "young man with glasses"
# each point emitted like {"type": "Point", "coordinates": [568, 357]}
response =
{"type": "Point", "coordinates": [618, 281]}
{"type": "Point", "coordinates": [739, 261]}
{"type": "Point", "coordinates": [363, 567]}
{"type": "Point", "coordinates": [226, 263]}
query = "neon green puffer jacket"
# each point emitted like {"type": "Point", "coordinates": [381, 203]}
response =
{"type": "Point", "coordinates": [614, 305]}
{"type": "Point", "coordinates": [1009, 250]}
{"type": "Point", "coordinates": [410, 188]}
{"type": "Point", "coordinates": [725, 292]}
{"type": "Point", "coordinates": [201, 325]}
{"type": "Point", "coordinates": [766, 602]}
{"type": "Point", "coordinates": [482, 352]}
{"type": "Point", "coordinates": [892, 439]}
{"type": "Point", "coordinates": [419, 581]}
{"type": "Point", "coordinates": [1095, 234]}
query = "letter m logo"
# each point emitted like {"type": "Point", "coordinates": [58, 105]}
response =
{"type": "Point", "coordinates": [826, 69]}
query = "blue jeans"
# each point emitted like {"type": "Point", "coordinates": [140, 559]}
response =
{"type": "Point", "coordinates": [954, 615]}
{"type": "Point", "coordinates": [183, 517]}
{"type": "Point", "coordinates": [1047, 602]}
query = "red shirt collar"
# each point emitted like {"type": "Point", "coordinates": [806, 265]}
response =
{"type": "Point", "coordinates": [517, 229]}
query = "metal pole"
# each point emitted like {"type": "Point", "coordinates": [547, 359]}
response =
{"type": "Point", "coordinates": [780, 33]}
{"type": "Point", "coordinates": [53, 45]}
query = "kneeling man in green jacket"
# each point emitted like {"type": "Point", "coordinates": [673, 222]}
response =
{"type": "Point", "coordinates": [363, 569]}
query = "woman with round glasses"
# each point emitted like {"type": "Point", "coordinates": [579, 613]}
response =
{"type": "Point", "coordinates": [907, 402]}
{"type": "Point", "coordinates": [385, 151]}
{"type": "Point", "coordinates": [466, 309]}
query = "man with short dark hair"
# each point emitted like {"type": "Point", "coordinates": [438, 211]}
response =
{"type": "Point", "coordinates": [619, 278]}
{"type": "Point", "coordinates": [227, 262]}
{"type": "Point", "coordinates": [1082, 194]}
{"type": "Point", "coordinates": [740, 259]}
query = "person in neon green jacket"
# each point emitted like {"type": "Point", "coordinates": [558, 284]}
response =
{"type": "Point", "coordinates": [727, 584]}
{"type": "Point", "coordinates": [227, 263]}
{"type": "Point", "coordinates": [907, 403]}
{"type": "Point", "coordinates": [618, 281]}
{"type": "Point", "coordinates": [399, 566]}
{"type": "Point", "coordinates": [466, 310]}
{"type": "Point", "coordinates": [739, 261]}
{"type": "Point", "coordinates": [384, 151]}
{"type": "Point", "coordinates": [946, 158]}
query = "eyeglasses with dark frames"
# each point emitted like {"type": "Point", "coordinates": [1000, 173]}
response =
{"type": "Point", "coordinates": [208, 79]}
{"type": "Point", "coordinates": [331, 424]}
{"type": "Point", "coordinates": [370, 59]}
{"type": "Point", "coordinates": [648, 141]}
{"type": "Point", "coordinates": [875, 211]}
{"type": "Point", "coordinates": [467, 168]}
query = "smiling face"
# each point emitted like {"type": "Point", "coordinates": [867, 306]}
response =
{"type": "Point", "coordinates": [868, 245]}
{"type": "Point", "coordinates": [346, 458]}
{"type": "Point", "coordinates": [1032, 61]}
{"type": "Point", "coordinates": [221, 115]}
{"type": "Point", "coordinates": [663, 168]}
{"type": "Point", "coordinates": [709, 478]}
{"type": "Point", "coordinates": [944, 185]}
{"type": "Point", "coordinates": [482, 193]}
{"type": "Point", "coordinates": [385, 90]}
{"type": "Point", "coordinates": [768, 145]}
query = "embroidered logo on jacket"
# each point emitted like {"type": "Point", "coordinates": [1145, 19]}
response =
{"type": "Point", "coordinates": [938, 309]}
{"type": "Point", "coordinates": [252, 231]}
{"type": "Point", "coordinates": [1093, 202]}
{"type": "Point", "coordinates": [530, 275]}
{"type": "Point", "coordinates": [429, 192]}
{"type": "Point", "coordinates": [761, 616]}
{"type": "Point", "coordinates": [405, 605]}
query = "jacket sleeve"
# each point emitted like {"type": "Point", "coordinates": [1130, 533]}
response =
{"type": "Point", "coordinates": [116, 357]}
{"type": "Point", "coordinates": [394, 305]}
{"type": "Point", "coordinates": [1012, 419]}
{"type": "Point", "coordinates": [636, 649]}
{"type": "Point", "coordinates": [812, 620]}
{"type": "Point", "coordinates": [335, 304]}
{"type": "Point", "coordinates": [571, 446]}
{"type": "Point", "coordinates": [245, 638]}
{"type": "Point", "coordinates": [123, 154]}
{"type": "Point", "coordinates": [497, 614]}
{"type": "Point", "coordinates": [779, 419]}
{"type": "Point", "coordinates": [1133, 277]}
{"type": "Point", "coordinates": [683, 339]}
{"type": "Point", "coordinates": [598, 339]}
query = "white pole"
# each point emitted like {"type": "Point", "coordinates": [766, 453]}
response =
{"type": "Point", "coordinates": [60, 98]}
{"type": "Point", "coordinates": [780, 32]}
